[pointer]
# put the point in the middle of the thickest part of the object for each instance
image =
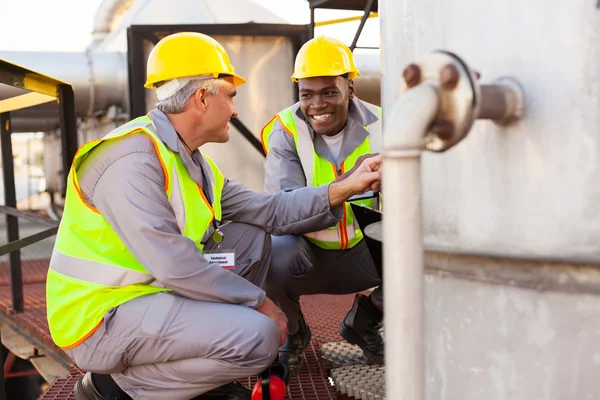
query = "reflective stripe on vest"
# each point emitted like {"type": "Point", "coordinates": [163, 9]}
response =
{"type": "Point", "coordinates": [91, 269]}
{"type": "Point", "coordinates": [318, 171]}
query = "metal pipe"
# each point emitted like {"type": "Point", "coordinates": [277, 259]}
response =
{"type": "Point", "coordinates": [408, 120]}
{"type": "Point", "coordinates": [311, 27]}
{"type": "Point", "coordinates": [102, 75]}
{"type": "Point", "coordinates": [501, 101]}
{"type": "Point", "coordinates": [108, 12]}
{"type": "Point", "coordinates": [363, 20]}
{"type": "Point", "coordinates": [68, 129]}
{"type": "Point", "coordinates": [2, 383]}
{"type": "Point", "coordinates": [372, 14]}
{"type": "Point", "coordinates": [12, 223]}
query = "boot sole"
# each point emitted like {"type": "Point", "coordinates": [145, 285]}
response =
{"type": "Point", "coordinates": [78, 391]}
{"type": "Point", "coordinates": [294, 370]}
{"type": "Point", "coordinates": [352, 338]}
{"type": "Point", "coordinates": [307, 339]}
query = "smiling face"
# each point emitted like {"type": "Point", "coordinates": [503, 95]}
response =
{"type": "Point", "coordinates": [218, 111]}
{"type": "Point", "coordinates": [324, 102]}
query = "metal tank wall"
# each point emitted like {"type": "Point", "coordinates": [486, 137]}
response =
{"type": "Point", "coordinates": [519, 319]}
{"type": "Point", "coordinates": [530, 189]}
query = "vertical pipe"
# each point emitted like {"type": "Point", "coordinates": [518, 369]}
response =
{"type": "Point", "coordinates": [10, 200]}
{"type": "Point", "coordinates": [136, 71]}
{"type": "Point", "coordinates": [403, 284]}
{"type": "Point", "coordinates": [68, 129]}
{"type": "Point", "coordinates": [311, 29]}
{"type": "Point", "coordinates": [408, 119]}
{"type": "Point", "coordinates": [2, 378]}
{"type": "Point", "coordinates": [28, 163]}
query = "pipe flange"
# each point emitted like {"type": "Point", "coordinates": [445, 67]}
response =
{"type": "Point", "coordinates": [458, 93]}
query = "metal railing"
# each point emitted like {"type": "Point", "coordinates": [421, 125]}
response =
{"type": "Point", "coordinates": [369, 8]}
{"type": "Point", "coordinates": [41, 89]}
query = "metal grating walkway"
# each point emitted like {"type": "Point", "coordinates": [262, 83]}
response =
{"type": "Point", "coordinates": [312, 383]}
{"type": "Point", "coordinates": [323, 313]}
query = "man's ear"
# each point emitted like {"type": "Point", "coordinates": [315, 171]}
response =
{"type": "Point", "coordinates": [351, 90]}
{"type": "Point", "coordinates": [200, 98]}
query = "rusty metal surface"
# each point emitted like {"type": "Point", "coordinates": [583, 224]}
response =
{"type": "Point", "coordinates": [34, 271]}
{"type": "Point", "coordinates": [323, 313]}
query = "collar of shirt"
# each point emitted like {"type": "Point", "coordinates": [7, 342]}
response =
{"type": "Point", "coordinates": [195, 163]}
{"type": "Point", "coordinates": [355, 133]}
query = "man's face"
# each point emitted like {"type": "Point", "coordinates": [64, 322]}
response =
{"type": "Point", "coordinates": [324, 102]}
{"type": "Point", "coordinates": [219, 111]}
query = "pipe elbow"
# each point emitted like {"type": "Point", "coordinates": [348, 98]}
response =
{"type": "Point", "coordinates": [410, 117]}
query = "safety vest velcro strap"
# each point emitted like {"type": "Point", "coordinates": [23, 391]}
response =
{"type": "Point", "coordinates": [95, 272]}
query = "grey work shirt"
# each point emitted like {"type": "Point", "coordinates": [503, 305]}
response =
{"type": "Point", "coordinates": [283, 169]}
{"type": "Point", "coordinates": [124, 180]}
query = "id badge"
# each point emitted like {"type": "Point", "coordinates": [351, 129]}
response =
{"type": "Point", "coordinates": [225, 258]}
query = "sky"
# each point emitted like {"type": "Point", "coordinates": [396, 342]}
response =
{"type": "Point", "coordinates": [65, 25]}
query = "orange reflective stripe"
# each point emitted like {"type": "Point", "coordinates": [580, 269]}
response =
{"type": "Point", "coordinates": [342, 225]}
{"type": "Point", "coordinates": [345, 242]}
{"type": "Point", "coordinates": [162, 164]}
{"type": "Point", "coordinates": [264, 138]}
{"type": "Point", "coordinates": [74, 172]}
{"type": "Point", "coordinates": [285, 128]}
{"type": "Point", "coordinates": [87, 335]}
{"type": "Point", "coordinates": [344, 236]}
{"type": "Point", "coordinates": [212, 211]}
{"type": "Point", "coordinates": [262, 135]}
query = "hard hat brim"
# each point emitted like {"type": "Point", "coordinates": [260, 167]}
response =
{"type": "Point", "coordinates": [237, 81]}
{"type": "Point", "coordinates": [352, 75]}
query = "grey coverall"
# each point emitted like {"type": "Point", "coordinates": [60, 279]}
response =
{"type": "Point", "coordinates": [298, 266]}
{"type": "Point", "coordinates": [207, 333]}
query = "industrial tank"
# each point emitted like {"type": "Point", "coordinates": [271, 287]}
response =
{"type": "Point", "coordinates": [511, 214]}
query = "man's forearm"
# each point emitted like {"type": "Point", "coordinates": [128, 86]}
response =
{"type": "Point", "coordinates": [339, 191]}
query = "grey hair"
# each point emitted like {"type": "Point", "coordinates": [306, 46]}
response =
{"type": "Point", "coordinates": [176, 103]}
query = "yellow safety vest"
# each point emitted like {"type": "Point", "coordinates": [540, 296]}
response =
{"type": "Point", "coordinates": [319, 171]}
{"type": "Point", "coordinates": [91, 270]}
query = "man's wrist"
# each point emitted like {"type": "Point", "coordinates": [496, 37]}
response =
{"type": "Point", "coordinates": [339, 192]}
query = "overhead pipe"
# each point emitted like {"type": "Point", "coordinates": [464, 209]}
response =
{"type": "Point", "coordinates": [108, 12]}
{"type": "Point", "coordinates": [436, 106]}
{"type": "Point", "coordinates": [99, 80]}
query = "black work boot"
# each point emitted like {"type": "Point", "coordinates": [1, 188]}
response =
{"type": "Point", "coordinates": [98, 387]}
{"type": "Point", "coordinates": [362, 327]}
{"type": "Point", "coordinates": [231, 391]}
{"type": "Point", "coordinates": [291, 354]}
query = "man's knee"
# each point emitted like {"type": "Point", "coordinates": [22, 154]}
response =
{"type": "Point", "coordinates": [265, 347]}
{"type": "Point", "coordinates": [290, 257]}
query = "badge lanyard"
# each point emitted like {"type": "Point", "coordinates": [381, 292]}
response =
{"type": "Point", "coordinates": [217, 235]}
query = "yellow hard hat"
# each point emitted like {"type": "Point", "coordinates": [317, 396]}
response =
{"type": "Point", "coordinates": [188, 54]}
{"type": "Point", "coordinates": [323, 56]}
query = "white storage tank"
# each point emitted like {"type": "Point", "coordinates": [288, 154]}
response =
{"type": "Point", "coordinates": [512, 213]}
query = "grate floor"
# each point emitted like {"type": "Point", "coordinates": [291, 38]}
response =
{"type": "Point", "coordinates": [323, 313]}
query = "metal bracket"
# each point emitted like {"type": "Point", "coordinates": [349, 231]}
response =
{"type": "Point", "coordinates": [458, 93]}
{"type": "Point", "coordinates": [462, 99]}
